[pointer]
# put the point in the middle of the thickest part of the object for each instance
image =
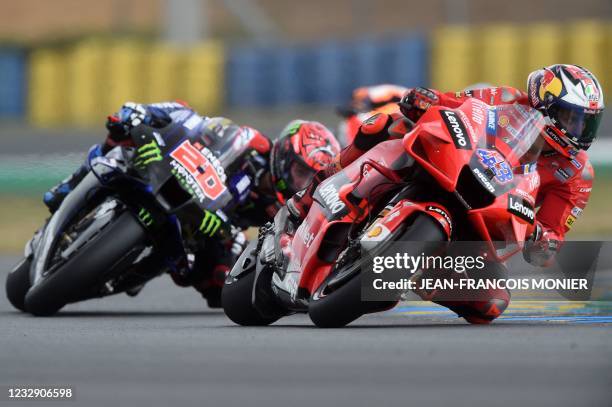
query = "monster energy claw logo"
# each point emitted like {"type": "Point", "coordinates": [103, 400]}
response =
{"type": "Point", "coordinates": [210, 224]}
{"type": "Point", "coordinates": [146, 154]}
{"type": "Point", "coordinates": [145, 217]}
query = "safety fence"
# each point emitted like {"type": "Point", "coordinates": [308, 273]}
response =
{"type": "Point", "coordinates": [77, 84]}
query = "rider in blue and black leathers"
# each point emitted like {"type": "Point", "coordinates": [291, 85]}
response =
{"type": "Point", "coordinates": [271, 186]}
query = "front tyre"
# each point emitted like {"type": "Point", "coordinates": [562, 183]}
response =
{"type": "Point", "coordinates": [237, 293]}
{"type": "Point", "coordinates": [18, 284]}
{"type": "Point", "coordinates": [335, 307]}
{"type": "Point", "coordinates": [87, 267]}
{"type": "Point", "coordinates": [236, 299]}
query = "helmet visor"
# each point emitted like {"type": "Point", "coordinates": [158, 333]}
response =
{"type": "Point", "coordinates": [578, 123]}
{"type": "Point", "coordinates": [300, 175]}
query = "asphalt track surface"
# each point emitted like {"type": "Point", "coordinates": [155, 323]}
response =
{"type": "Point", "coordinates": [165, 347]}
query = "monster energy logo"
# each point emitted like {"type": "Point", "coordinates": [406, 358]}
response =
{"type": "Point", "coordinates": [210, 224]}
{"type": "Point", "coordinates": [146, 154]}
{"type": "Point", "coordinates": [145, 217]}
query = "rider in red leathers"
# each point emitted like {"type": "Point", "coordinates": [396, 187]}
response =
{"type": "Point", "coordinates": [366, 101]}
{"type": "Point", "coordinates": [571, 100]}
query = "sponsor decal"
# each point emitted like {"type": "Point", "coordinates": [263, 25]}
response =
{"type": "Point", "coordinates": [456, 129]}
{"type": "Point", "coordinates": [210, 223]}
{"type": "Point", "coordinates": [555, 137]}
{"type": "Point", "coordinates": [332, 199]}
{"type": "Point", "coordinates": [576, 163]}
{"type": "Point", "coordinates": [187, 181]}
{"type": "Point", "coordinates": [525, 195]}
{"type": "Point", "coordinates": [492, 122]}
{"type": "Point", "coordinates": [569, 222]}
{"type": "Point", "coordinates": [159, 139]}
{"type": "Point", "coordinates": [478, 112]}
{"type": "Point", "coordinates": [376, 231]}
{"type": "Point", "coordinates": [576, 211]}
{"type": "Point", "coordinates": [550, 153]}
{"type": "Point", "coordinates": [563, 174]}
{"type": "Point", "coordinates": [585, 190]}
{"type": "Point", "coordinates": [167, 105]}
{"type": "Point", "coordinates": [503, 121]}
{"type": "Point", "coordinates": [192, 122]}
{"type": "Point", "coordinates": [203, 167]}
{"type": "Point", "coordinates": [146, 154]}
{"type": "Point", "coordinates": [496, 163]}
{"type": "Point", "coordinates": [306, 235]}
{"type": "Point", "coordinates": [521, 208]}
{"type": "Point", "coordinates": [468, 124]}
{"type": "Point", "coordinates": [444, 215]}
{"type": "Point", "coordinates": [484, 180]}
{"type": "Point", "coordinates": [145, 217]}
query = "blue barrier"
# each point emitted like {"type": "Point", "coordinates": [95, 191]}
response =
{"type": "Point", "coordinates": [326, 74]}
{"type": "Point", "coordinates": [12, 82]}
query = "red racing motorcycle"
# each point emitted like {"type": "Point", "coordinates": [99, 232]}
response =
{"type": "Point", "coordinates": [465, 174]}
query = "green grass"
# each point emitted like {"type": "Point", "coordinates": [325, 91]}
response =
{"type": "Point", "coordinates": [21, 215]}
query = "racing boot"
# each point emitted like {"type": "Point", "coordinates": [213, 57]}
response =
{"type": "Point", "coordinates": [479, 312]}
{"type": "Point", "coordinates": [56, 195]}
{"type": "Point", "coordinates": [480, 306]}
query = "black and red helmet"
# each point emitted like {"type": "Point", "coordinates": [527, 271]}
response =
{"type": "Point", "coordinates": [572, 100]}
{"type": "Point", "coordinates": [302, 149]}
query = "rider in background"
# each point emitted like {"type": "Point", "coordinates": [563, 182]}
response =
{"type": "Point", "coordinates": [365, 102]}
{"type": "Point", "coordinates": [276, 170]}
{"type": "Point", "coordinates": [572, 102]}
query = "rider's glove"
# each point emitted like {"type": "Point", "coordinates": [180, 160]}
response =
{"type": "Point", "coordinates": [541, 247]}
{"type": "Point", "coordinates": [416, 102]}
{"type": "Point", "coordinates": [129, 116]}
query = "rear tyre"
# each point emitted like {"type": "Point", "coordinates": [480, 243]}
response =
{"type": "Point", "coordinates": [86, 269]}
{"type": "Point", "coordinates": [18, 284]}
{"type": "Point", "coordinates": [343, 305]}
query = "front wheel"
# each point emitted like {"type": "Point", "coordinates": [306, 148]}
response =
{"type": "Point", "coordinates": [85, 270]}
{"type": "Point", "coordinates": [338, 302]}
{"type": "Point", "coordinates": [237, 293]}
{"type": "Point", "coordinates": [236, 299]}
{"type": "Point", "coordinates": [18, 283]}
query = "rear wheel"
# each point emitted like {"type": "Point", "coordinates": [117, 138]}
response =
{"type": "Point", "coordinates": [18, 284]}
{"type": "Point", "coordinates": [337, 302]}
{"type": "Point", "coordinates": [84, 272]}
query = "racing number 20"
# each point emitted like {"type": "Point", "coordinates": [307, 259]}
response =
{"type": "Point", "coordinates": [200, 168]}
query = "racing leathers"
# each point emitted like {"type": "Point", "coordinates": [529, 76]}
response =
{"type": "Point", "coordinates": [565, 183]}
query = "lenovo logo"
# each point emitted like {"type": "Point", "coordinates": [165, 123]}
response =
{"type": "Point", "coordinates": [456, 129]}
{"type": "Point", "coordinates": [521, 208]}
